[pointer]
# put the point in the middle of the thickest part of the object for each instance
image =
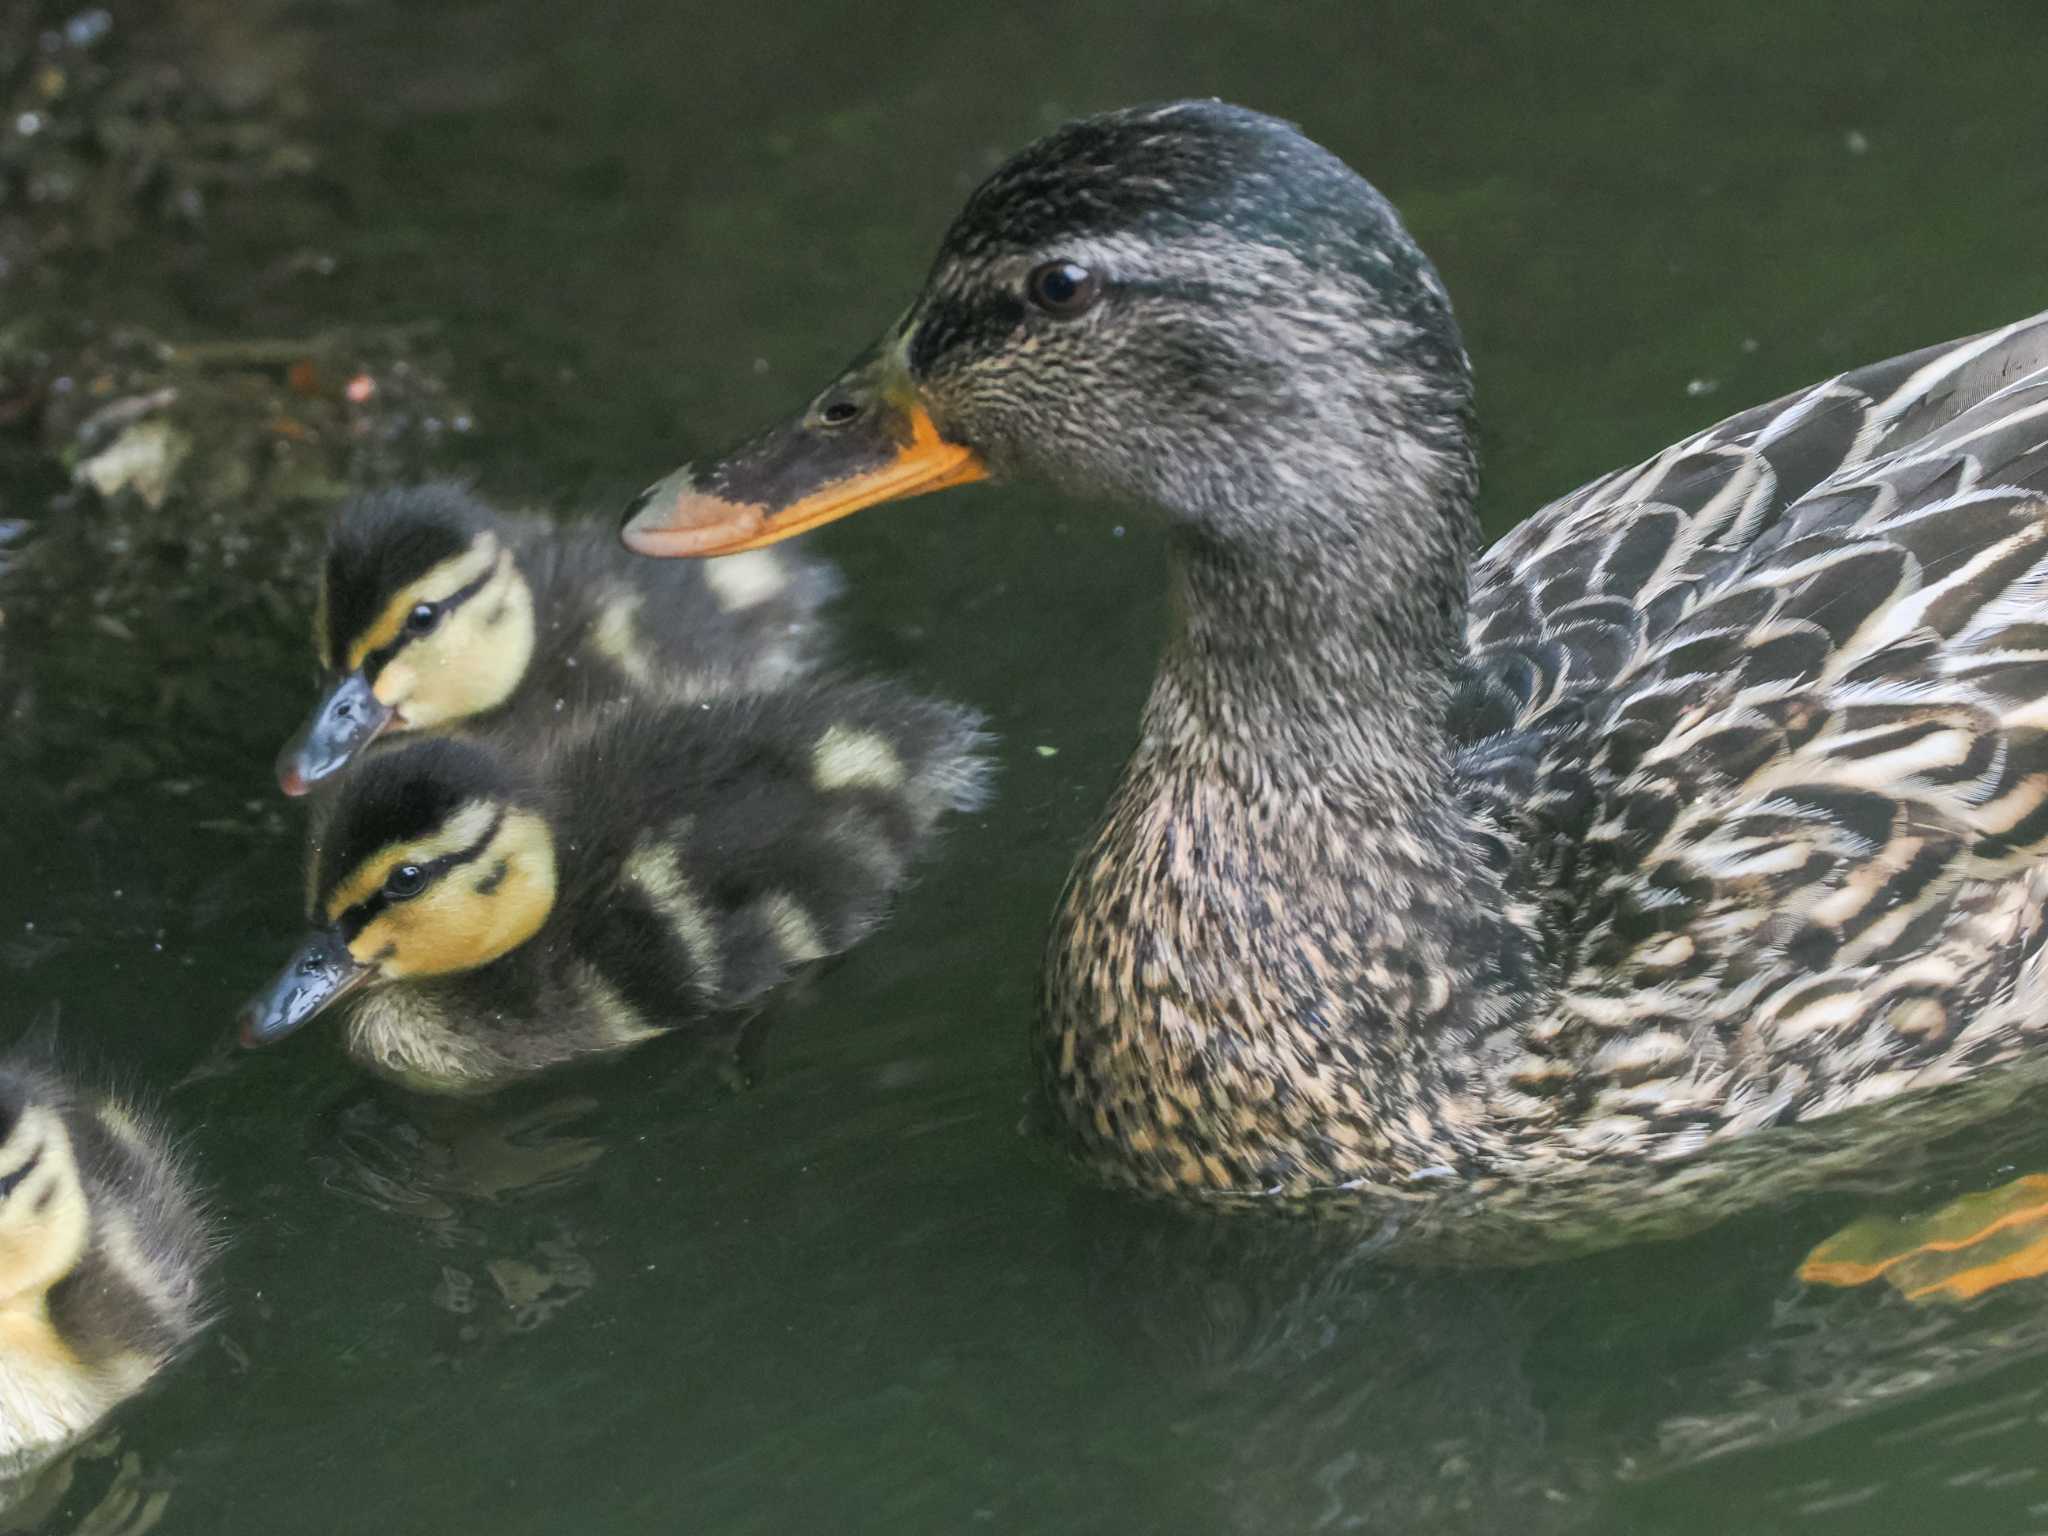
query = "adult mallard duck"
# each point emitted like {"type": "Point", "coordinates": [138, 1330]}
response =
{"type": "Point", "coordinates": [102, 1250]}
{"type": "Point", "coordinates": [1711, 799]}
{"type": "Point", "coordinates": [500, 903]}
{"type": "Point", "coordinates": [435, 609]}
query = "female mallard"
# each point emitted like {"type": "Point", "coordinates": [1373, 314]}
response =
{"type": "Point", "coordinates": [102, 1249]}
{"type": "Point", "coordinates": [435, 609]}
{"type": "Point", "coordinates": [1712, 798]}
{"type": "Point", "coordinates": [504, 903]}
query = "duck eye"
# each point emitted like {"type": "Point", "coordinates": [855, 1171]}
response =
{"type": "Point", "coordinates": [406, 881]}
{"type": "Point", "coordinates": [1063, 288]}
{"type": "Point", "coordinates": [422, 618]}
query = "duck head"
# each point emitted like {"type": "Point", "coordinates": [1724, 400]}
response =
{"type": "Point", "coordinates": [423, 618]}
{"type": "Point", "coordinates": [430, 860]}
{"type": "Point", "coordinates": [1191, 307]}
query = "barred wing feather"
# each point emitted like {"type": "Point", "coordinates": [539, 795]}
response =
{"type": "Point", "coordinates": [1766, 720]}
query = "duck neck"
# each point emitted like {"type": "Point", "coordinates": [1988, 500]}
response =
{"type": "Point", "coordinates": [1316, 660]}
{"type": "Point", "coordinates": [1288, 899]}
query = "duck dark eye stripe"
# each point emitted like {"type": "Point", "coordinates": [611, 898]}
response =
{"type": "Point", "coordinates": [376, 661]}
{"type": "Point", "coordinates": [364, 912]}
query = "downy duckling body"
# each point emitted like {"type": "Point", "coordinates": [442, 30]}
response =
{"type": "Point", "coordinates": [1712, 799]}
{"type": "Point", "coordinates": [497, 905]}
{"type": "Point", "coordinates": [103, 1247]}
{"type": "Point", "coordinates": [434, 609]}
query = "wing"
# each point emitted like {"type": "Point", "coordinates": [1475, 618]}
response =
{"type": "Point", "coordinates": [1772, 734]}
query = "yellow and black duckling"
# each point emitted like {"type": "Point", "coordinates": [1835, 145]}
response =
{"type": "Point", "coordinates": [434, 609]}
{"type": "Point", "coordinates": [103, 1247]}
{"type": "Point", "coordinates": [1713, 798]}
{"type": "Point", "coordinates": [496, 905]}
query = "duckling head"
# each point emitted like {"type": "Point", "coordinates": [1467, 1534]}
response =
{"type": "Point", "coordinates": [430, 860]}
{"type": "Point", "coordinates": [103, 1245]}
{"type": "Point", "coordinates": [423, 618]}
{"type": "Point", "coordinates": [1191, 306]}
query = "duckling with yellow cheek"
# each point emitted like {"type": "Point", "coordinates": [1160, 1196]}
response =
{"type": "Point", "coordinates": [492, 907]}
{"type": "Point", "coordinates": [102, 1251]}
{"type": "Point", "coordinates": [434, 610]}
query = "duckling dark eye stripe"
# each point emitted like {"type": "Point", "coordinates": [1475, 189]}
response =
{"type": "Point", "coordinates": [375, 661]}
{"type": "Point", "coordinates": [11, 1181]}
{"type": "Point", "coordinates": [364, 912]}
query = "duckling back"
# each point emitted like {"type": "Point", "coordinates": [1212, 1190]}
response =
{"type": "Point", "coordinates": [103, 1246]}
{"type": "Point", "coordinates": [775, 828]}
{"type": "Point", "coordinates": [615, 625]}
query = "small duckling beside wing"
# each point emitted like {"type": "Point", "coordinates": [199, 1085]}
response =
{"type": "Point", "coordinates": [103, 1247]}
{"type": "Point", "coordinates": [494, 906]}
{"type": "Point", "coordinates": [434, 609]}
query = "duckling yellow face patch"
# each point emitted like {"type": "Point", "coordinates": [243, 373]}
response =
{"type": "Point", "coordinates": [439, 585]}
{"type": "Point", "coordinates": [43, 1218]}
{"type": "Point", "coordinates": [454, 643]}
{"type": "Point", "coordinates": [451, 643]}
{"type": "Point", "coordinates": [479, 887]}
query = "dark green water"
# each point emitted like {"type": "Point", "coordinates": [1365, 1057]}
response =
{"type": "Point", "coordinates": [847, 1294]}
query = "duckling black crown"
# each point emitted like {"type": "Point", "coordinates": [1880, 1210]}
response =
{"type": "Point", "coordinates": [403, 795]}
{"type": "Point", "coordinates": [383, 540]}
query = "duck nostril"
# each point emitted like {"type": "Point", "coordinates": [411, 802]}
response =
{"type": "Point", "coordinates": [837, 413]}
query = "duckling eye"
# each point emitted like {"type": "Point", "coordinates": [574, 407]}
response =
{"type": "Point", "coordinates": [406, 881]}
{"type": "Point", "coordinates": [1063, 288]}
{"type": "Point", "coordinates": [422, 619]}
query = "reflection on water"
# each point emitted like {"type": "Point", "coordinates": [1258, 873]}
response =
{"type": "Point", "coordinates": [433, 1164]}
{"type": "Point", "coordinates": [116, 1495]}
{"type": "Point", "coordinates": [1329, 1391]}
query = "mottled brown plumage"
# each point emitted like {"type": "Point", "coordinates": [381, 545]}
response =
{"type": "Point", "coordinates": [1714, 798]}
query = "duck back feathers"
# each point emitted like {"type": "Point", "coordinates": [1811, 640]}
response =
{"type": "Point", "coordinates": [1764, 718]}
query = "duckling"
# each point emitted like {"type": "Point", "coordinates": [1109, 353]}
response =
{"type": "Point", "coordinates": [1711, 799]}
{"type": "Point", "coordinates": [103, 1250]}
{"type": "Point", "coordinates": [498, 904]}
{"type": "Point", "coordinates": [435, 609]}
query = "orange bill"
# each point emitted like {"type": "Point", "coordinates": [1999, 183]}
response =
{"type": "Point", "coordinates": [869, 441]}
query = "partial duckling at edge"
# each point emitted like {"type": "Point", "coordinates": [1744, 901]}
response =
{"type": "Point", "coordinates": [434, 609]}
{"type": "Point", "coordinates": [103, 1250]}
{"type": "Point", "coordinates": [496, 905]}
{"type": "Point", "coordinates": [1712, 799]}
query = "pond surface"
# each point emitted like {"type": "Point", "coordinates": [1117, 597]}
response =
{"type": "Point", "coordinates": [831, 1284]}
